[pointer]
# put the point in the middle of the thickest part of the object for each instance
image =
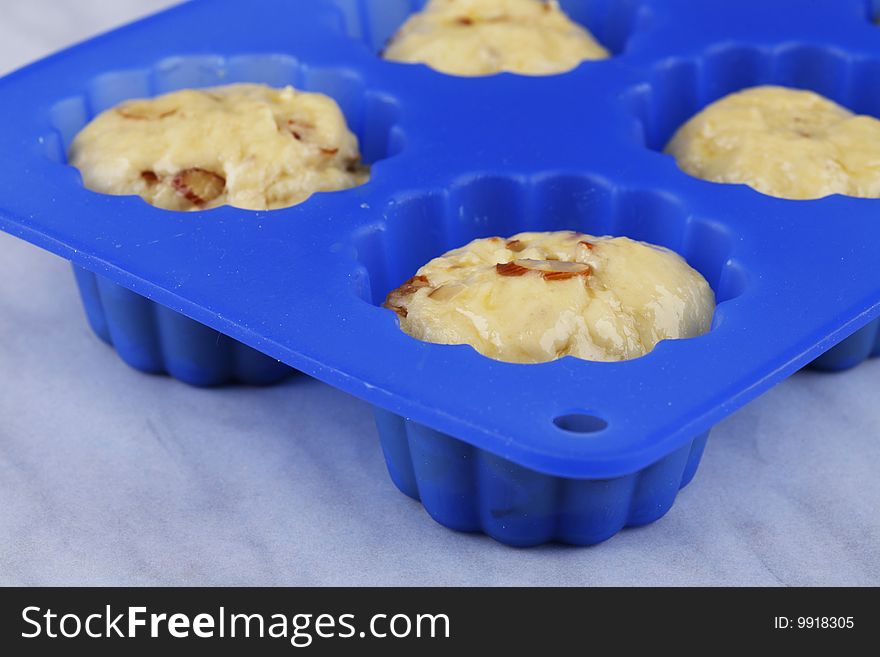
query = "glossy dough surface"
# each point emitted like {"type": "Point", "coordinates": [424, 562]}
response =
{"type": "Point", "coordinates": [246, 145]}
{"type": "Point", "coordinates": [783, 142]}
{"type": "Point", "coordinates": [482, 37]}
{"type": "Point", "coordinates": [541, 296]}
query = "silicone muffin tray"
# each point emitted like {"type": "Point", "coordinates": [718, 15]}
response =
{"type": "Point", "coordinates": [156, 340]}
{"type": "Point", "coordinates": [569, 450]}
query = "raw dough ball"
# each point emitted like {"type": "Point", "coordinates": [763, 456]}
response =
{"type": "Point", "coordinates": [783, 142]}
{"type": "Point", "coordinates": [482, 37]}
{"type": "Point", "coordinates": [246, 145]}
{"type": "Point", "coordinates": [541, 296]}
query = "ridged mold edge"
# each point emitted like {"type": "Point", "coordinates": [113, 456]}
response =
{"type": "Point", "coordinates": [468, 489]}
{"type": "Point", "coordinates": [154, 339]}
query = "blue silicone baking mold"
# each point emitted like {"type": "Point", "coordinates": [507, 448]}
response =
{"type": "Point", "coordinates": [569, 450]}
{"type": "Point", "coordinates": [156, 340]}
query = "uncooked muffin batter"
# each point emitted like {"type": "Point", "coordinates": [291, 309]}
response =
{"type": "Point", "coordinates": [482, 37]}
{"type": "Point", "coordinates": [783, 142]}
{"type": "Point", "coordinates": [245, 145]}
{"type": "Point", "coordinates": [537, 297]}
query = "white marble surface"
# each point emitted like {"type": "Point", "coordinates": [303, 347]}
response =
{"type": "Point", "coordinates": [110, 477]}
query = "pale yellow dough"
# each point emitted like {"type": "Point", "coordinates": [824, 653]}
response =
{"type": "Point", "coordinates": [783, 142]}
{"type": "Point", "coordinates": [245, 145]}
{"type": "Point", "coordinates": [541, 296]}
{"type": "Point", "coordinates": [482, 37]}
